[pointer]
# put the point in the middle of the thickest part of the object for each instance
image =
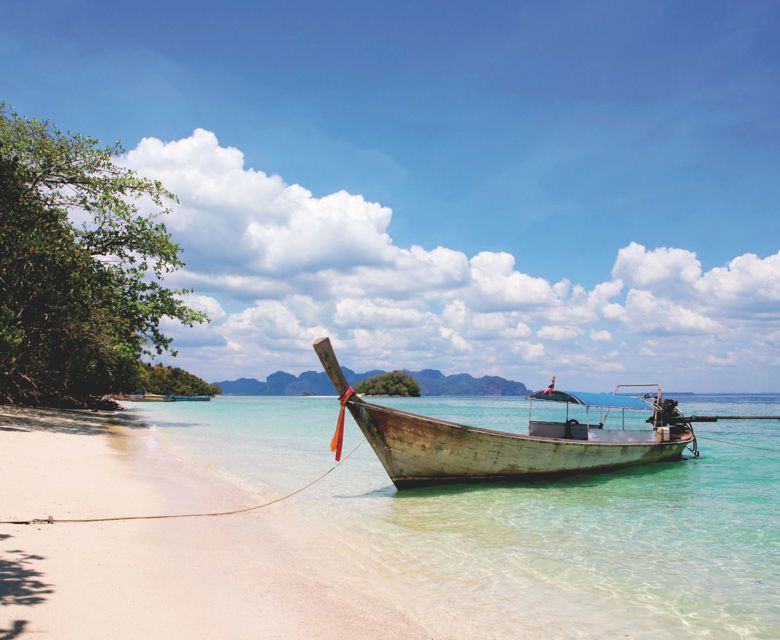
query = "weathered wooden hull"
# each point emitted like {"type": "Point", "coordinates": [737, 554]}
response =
{"type": "Point", "coordinates": [417, 451]}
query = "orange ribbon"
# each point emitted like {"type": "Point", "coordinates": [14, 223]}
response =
{"type": "Point", "coordinates": [338, 437]}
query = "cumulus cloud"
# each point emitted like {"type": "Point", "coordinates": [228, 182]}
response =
{"type": "Point", "coordinates": [600, 336]}
{"type": "Point", "coordinates": [498, 287]}
{"type": "Point", "coordinates": [206, 304]}
{"type": "Point", "coordinates": [746, 282]}
{"type": "Point", "coordinates": [457, 340]}
{"type": "Point", "coordinates": [269, 321]}
{"type": "Point", "coordinates": [233, 215]}
{"type": "Point", "coordinates": [645, 313]}
{"type": "Point", "coordinates": [352, 312]}
{"type": "Point", "coordinates": [275, 266]}
{"type": "Point", "coordinates": [575, 362]}
{"type": "Point", "coordinates": [642, 268]}
{"type": "Point", "coordinates": [528, 351]}
{"type": "Point", "coordinates": [552, 332]}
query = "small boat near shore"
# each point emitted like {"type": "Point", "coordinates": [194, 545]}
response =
{"type": "Point", "coordinates": [157, 397]}
{"type": "Point", "coordinates": [143, 397]}
{"type": "Point", "coordinates": [416, 450]}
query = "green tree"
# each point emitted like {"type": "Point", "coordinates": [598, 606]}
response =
{"type": "Point", "coordinates": [172, 381]}
{"type": "Point", "coordinates": [395, 383]}
{"type": "Point", "coordinates": [81, 268]}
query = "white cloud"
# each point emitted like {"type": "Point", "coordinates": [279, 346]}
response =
{"type": "Point", "coordinates": [269, 322]}
{"type": "Point", "coordinates": [233, 216]}
{"type": "Point", "coordinates": [353, 312]}
{"type": "Point", "coordinates": [600, 335]}
{"type": "Point", "coordinates": [643, 268]}
{"type": "Point", "coordinates": [722, 361]}
{"type": "Point", "coordinates": [206, 304]}
{"type": "Point", "coordinates": [275, 266]}
{"type": "Point", "coordinates": [614, 311]}
{"type": "Point", "coordinates": [645, 313]}
{"type": "Point", "coordinates": [498, 287]}
{"type": "Point", "coordinates": [197, 336]}
{"type": "Point", "coordinates": [575, 362]}
{"type": "Point", "coordinates": [457, 341]}
{"type": "Point", "coordinates": [604, 292]}
{"type": "Point", "coordinates": [484, 326]}
{"type": "Point", "coordinates": [767, 338]}
{"type": "Point", "coordinates": [528, 351]}
{"type": "Point", "coordinates": [747, 282]}
{"type": "Point", "coordinates": [552, 332]}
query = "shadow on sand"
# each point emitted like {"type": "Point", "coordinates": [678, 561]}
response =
{"type": "Point", "coordinates": [71, 421]}
{"type": "Point", "coordinates": [14, 631]}
{"type": "Point", "coordinates": [20, 585]}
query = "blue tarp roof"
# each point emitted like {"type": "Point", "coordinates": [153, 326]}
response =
{"type": "Point", "coordinates": [593, 399]}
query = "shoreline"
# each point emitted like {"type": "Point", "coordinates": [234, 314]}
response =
{"type": "Point", "coordinates": [350, 558]}
{"type": "Point", "coordinates": [244, 576]}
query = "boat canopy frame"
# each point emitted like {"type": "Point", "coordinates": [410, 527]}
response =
{"type": "Point", "coordinates": [590, 399]}
{"type": "Point", "coordinates": [604, 403]}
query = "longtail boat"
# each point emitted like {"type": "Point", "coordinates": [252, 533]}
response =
{"type": "Point", "coordinates": [416, 450]}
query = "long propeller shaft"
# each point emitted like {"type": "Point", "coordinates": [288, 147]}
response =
{"type": "Point", "coordinates": [683, 420]}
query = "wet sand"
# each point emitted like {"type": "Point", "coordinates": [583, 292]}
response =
{"type": "Point", "coordinates": [256, 575]}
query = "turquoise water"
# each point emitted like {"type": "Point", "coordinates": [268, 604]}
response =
{"type": "Point", "coordinates": [687, 549]}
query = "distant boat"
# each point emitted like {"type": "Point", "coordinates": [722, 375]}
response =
{"type": "Point", "coordinates": [416, 450]}
{"type": "Point", "coordinates": [157, 397]}
{"type": "Point", "coordinates": [145, 397]}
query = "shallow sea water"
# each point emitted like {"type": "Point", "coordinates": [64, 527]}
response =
{"type": "Point", "coordinates": [687, 549]}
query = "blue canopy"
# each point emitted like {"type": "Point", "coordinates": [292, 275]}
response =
{"type": "Point", "coordinates": [593, 399]}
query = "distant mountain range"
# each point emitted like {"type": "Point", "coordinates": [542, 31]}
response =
{"type": "Point", "coordinates": [432, 382]}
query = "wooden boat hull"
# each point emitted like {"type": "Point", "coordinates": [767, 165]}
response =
{"type": "Point", "coordinates": [417, 450]}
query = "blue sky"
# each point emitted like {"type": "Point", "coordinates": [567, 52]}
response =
{"type": "Point", "coordinates": [558, 133]}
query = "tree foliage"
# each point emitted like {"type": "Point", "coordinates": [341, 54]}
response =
{"type": "Point", "coordinates": [394, 383]}
{"type": "Point", "coordinates": [81, 268]}
{"type": "Point", "coordinates": [172, 381]}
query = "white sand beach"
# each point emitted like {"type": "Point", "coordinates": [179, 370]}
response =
{"type": "Point", "coordinates": [248, 576]}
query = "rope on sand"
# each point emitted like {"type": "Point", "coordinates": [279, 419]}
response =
{"type": "Point", "coordinates": [52, 520]}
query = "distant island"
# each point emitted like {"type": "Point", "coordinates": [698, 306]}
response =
{"type": "Point", "coordinates": [171, 381]}
{"type": "Point", "coordinates": [395, 383]}
{"type": "Point", "coordinates": [432, 382]}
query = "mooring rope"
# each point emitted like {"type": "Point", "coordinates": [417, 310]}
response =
{"type": "Point", "coordinates": [738, 444]}
{"type": "Point", "coordinates": [211, 514]}
{"type": "Point", "coordinates": [51, 520]}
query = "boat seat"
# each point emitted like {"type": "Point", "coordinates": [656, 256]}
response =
{"type": "Point", "coordinates": [547, 429]}
{"type": "Point", "coordinates": [577, 430]}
